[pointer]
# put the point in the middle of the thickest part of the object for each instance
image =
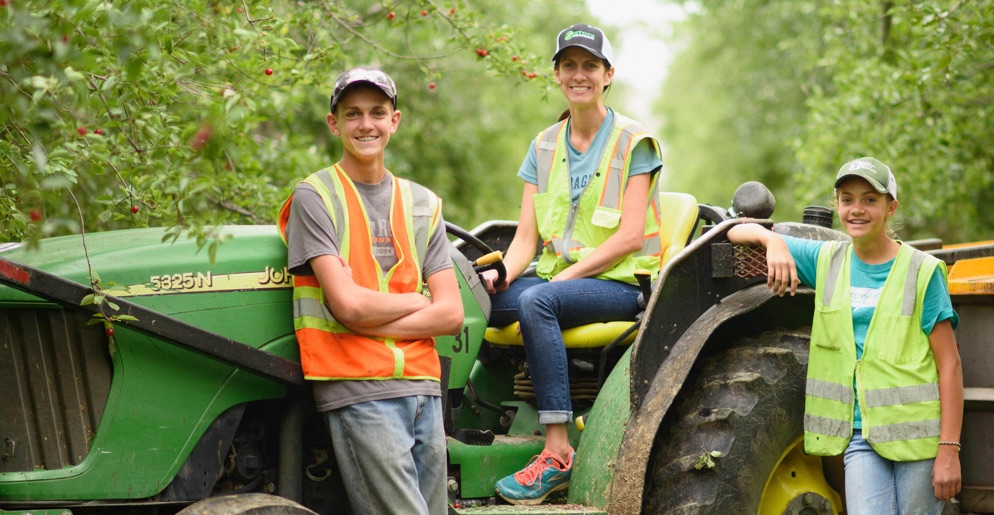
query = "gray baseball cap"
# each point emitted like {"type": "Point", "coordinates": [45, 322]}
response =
{"type": "Point", "coordinates": [368, 75]}
{"type": "Point", "coordinates": [586, 37]}
{"type": "Point", "coordinates": [876, 173]}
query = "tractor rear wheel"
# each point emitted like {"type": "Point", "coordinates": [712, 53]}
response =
{"type": "Point", "coordinates": [246, 504]}
{"type": "Point", "coordinates": [733, 444]}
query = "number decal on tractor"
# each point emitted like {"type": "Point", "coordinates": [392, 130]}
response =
{"type": "Point", "coordinates": [185, 281]}
{"type": "Point", "coordinates": [462, 341]}
{"type": "Point", "coordinates": [271, 278]}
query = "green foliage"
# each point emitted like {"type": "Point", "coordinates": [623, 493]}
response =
{"type": "Point", "coordinates": [912, 84]}
{"type": "Point", "coordinates": [192, 114]}
{"type": "Point", "coordinates": [786, 91]}
{"type": "Point", "coordinates": [734, 98]}
{"type": "Point", "coordinates": [706, 460]}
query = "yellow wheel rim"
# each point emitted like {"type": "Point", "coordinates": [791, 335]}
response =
{"type": "Point", "coordinates": [797, 486]}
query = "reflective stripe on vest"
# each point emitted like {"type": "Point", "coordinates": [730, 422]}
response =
{"type": "Point", "coordinates": [896, 380]}
{"type": "Point", "coordinates": [576, 229]}
{"type": "Point", "coordinates": [329, 350]}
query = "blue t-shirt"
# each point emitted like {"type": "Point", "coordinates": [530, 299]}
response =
{"type": "Point", "coordinates": [582, 165]}
{"type": "Point", "coordinates": [866, 283]}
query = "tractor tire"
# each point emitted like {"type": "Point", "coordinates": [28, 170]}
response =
{"type": "Point", "coordinates": [747, 403]}
{"type": "Point", "coordinates": [246, 504]}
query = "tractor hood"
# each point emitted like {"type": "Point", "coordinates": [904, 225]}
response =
{"type": "Point", "coordinates": [137, 263]}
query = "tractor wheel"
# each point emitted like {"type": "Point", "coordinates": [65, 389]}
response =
{"type": "Point", "coordinates": [246, 504]}
{"type": "Point", "coordinates": [734, 443]}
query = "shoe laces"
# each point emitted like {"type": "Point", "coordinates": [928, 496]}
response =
{"type": "Point", "coordinates": [534, 470]}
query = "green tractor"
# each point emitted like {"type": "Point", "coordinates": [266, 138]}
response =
{"type": "Point", "coordinates": [186, 395]}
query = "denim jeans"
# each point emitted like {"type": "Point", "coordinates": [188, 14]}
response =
{"type": "Point", "coordinates": [391, 454]}
{"type": "Point", "coordinates": [878, 486]}
{"type": "Point", "coordinates": [546, 308]}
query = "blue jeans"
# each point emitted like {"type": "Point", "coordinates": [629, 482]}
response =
{"type": "Point", "coordinates": [878, 486]}
{"type": "Point", "coordinates": [546, 308]}
{"type": "Point", "coordinates": [391, 454]}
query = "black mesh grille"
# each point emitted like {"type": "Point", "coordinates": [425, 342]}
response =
{"type": "Point", "coordinates": [55, 374]}
{"type": "Point", "coordinates": [750, 261]}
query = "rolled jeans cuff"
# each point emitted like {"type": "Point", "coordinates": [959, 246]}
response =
{"type": "Point", "coordinates": [554, 417]}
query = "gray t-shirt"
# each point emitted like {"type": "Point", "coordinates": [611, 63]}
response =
{"type": "Point", "coordinates": [310, 233]}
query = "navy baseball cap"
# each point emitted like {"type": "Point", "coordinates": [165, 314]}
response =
{"type": "Point", "coordinates": [586, 37]}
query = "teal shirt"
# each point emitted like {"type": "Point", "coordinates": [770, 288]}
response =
{"type": "Point", "coordinates": [582, 165]}
{"type": "Point", "coordinates": [867, 281]}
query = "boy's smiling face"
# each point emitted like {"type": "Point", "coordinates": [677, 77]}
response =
{"type": "Point", "coordinates": [364, 118]}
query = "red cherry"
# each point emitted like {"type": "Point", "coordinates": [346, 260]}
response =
{"type": "Point", "coordinates": [233, 49]}
{"type": "Point", "coordinates": [431, 85]}
{"type": "Point", "coordinates": [269, 71]}
{"type": "Point", "coordinates": [532, 75]}
{"type": "Point", "coordinates": [391, 15]}
{"type": "Point", "coordinates": [200, 138]}
{"type": "Point", "coordinates": [524, 72]}
{"type": "Point", "coordinates": [34, 214]}
{"type": "Point", "coordinates": [82, 131]}
{"type": "Point", "coordinates": [99, 132]}
{"type": "Point", "coordinates": [424, 13]}
{"type": "Point", "coordinates": [514, 58]}
{"type": "Point", "coordinates": [134, 209]}
{"type": "Point", "coordinates": [3, 3]}
{"type": "Point", "coordinates": [109, 331]}
{"type": "Point", "coordinates": [452, 11]}
{"type": "Point", "coordinates": [482, 52]}
{"type": "Point", "coordinates": [65, 38]}
{"type": "Point", "coordinates": [239, 10]}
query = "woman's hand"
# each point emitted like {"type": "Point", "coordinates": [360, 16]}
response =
{"type": "Point", "coordinates": [488, 277]}
{"type": "Point", "coordinates": [946, 476]}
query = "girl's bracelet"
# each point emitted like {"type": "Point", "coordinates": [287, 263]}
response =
{"type": "Point", "coordinates": [957, 444]}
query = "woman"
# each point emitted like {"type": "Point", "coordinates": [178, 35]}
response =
{"type": "Point", "coordinates": [590, 183]}
{"type": "Point", "coordinates": [885, 384]}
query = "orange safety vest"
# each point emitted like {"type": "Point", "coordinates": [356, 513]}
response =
{"type": "Point", "coordinates": [329, 351]}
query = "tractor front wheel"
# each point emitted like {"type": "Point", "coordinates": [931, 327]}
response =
{"type": "Point", "coordinates": [734, 442]}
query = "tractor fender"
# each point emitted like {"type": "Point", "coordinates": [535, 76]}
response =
{"type": "Point", "coordinates": [633, 457]}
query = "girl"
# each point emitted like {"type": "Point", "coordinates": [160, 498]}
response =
{"type": "Point", "coordinates": [885, 385]}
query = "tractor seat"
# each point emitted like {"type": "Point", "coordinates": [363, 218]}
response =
{"type": "Point", "coordinates": [678, 216]}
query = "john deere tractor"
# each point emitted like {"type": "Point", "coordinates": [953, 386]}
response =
{"type": "Point", "coordinates": [139, 377]}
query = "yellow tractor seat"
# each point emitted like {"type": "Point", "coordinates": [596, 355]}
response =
{"type": "Point", "coordinates": [589, 336]}
{"type": "Point", "coordinates": [678, 214]}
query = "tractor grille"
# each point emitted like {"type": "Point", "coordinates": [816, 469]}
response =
{"type": "Point", "coordinates": [55, 374]}
{"type": "Point", "coordinates": [750, 261]}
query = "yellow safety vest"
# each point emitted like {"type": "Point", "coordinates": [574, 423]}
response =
{"type": "Point", "coordinates": [328, 349]}
{"type": "Point", "coordinates": [897, 382]}
{"type": "Point", "coordinates": [571, 231]}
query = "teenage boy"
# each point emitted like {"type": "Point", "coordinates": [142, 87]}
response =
{"type": "Point", "coordinates": [362, 243]}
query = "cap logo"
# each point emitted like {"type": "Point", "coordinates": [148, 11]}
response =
{"type": "Point", "coordinates": [861, 165]}
{"type": "Point", "coordinates": [578, 34]}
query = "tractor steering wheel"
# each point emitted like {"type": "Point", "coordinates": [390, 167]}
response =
{"type": "Point", "coordinates": [490, 260]}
